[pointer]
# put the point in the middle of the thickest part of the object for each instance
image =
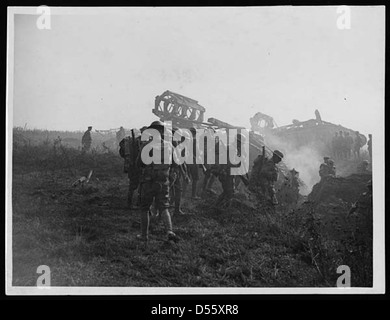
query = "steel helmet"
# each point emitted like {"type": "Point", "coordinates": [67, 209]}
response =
{"type": "Point", "coordinates": [143, 128]}
{"type": "Point", "coordinates": [279, 154]}
{"type": "Point", "coordinates": [157, 124]}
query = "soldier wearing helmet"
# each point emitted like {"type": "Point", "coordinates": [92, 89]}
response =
{"type": "Point", "coordinates": [155, 185]}
{"type": "Point", "coordinates": [327, 168]}
{"type": "Point", "coordinates": [86, 140]}
{"type": "Point", "coordinates": [264, 175]}
{"type": "Point", "coordinates": [277, 156]}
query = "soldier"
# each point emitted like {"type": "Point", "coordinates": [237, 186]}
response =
{"type": "Point", "coordinates": [263, 176]}
{"type": "Point", "coordinates": [289, 190]}
{"type": "Point", "coordinates": [129, 148]}
{"type": "Point", "coordinates": [155, 186]}
{"type": "Point", "coordinates": [332, 168]}
{"type": "Point", "coordinates": [120, 134]}
{"type": "Point", "coordinates": [327, 168]}
{"type": "Point", "coordinates": [228, 180]}
{"type": "Point", "coordinates": [86, 140]}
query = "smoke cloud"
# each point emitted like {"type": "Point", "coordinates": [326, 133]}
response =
{"type": "Point", "coordinates": [304, 159]}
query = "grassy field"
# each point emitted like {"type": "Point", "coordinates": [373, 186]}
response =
{"type": "Point", "coordinates": [87, 236]}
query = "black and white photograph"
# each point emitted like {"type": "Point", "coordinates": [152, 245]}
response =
{"type": "Point", "coordinates": [195, 150]}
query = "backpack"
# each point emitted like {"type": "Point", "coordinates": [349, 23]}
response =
{"type": "Point", "coordinates": [128, 150]}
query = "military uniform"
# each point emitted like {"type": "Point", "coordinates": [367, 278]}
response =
{"type": "Point", "coordinates": [129, 150]}
{"type": "Point", "coordinates": [326, 170]}
{"type": "Point", "coordinates": [289, 190]}
{"type": "Point", "coordinates": [263, 177]}
{"type": "Point", "coordinates": [155, 189]}
{"type": "Point", "coordinates": [86, 141]}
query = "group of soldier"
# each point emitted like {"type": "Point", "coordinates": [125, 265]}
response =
{"type": "Point", "coordinates": [328, 169]}
{"type": "Point", "coordinates": [161, 186]}
{"type": "Point", "coordinates": [86, 140]}
{"type": "Point", "coordinates": [155, 188]}
{"type": "Point", "coordinates": [345, 146]}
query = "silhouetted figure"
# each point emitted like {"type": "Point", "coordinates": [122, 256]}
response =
{"type": "Point", "coordinates": [86, 140]}
{"type": "Point", "coordinates": [120, 135]}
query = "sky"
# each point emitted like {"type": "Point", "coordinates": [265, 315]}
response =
{"type": "Point", "coordinates": [104, 66]}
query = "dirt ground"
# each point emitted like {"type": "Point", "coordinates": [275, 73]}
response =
{"type": "Point", "coordinates": [87, 235]}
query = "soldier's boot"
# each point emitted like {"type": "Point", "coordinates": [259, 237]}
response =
{"type": "Point", "coordinates": [194, 194]}
{"type": "Point", "coordinates": [166, 217]}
